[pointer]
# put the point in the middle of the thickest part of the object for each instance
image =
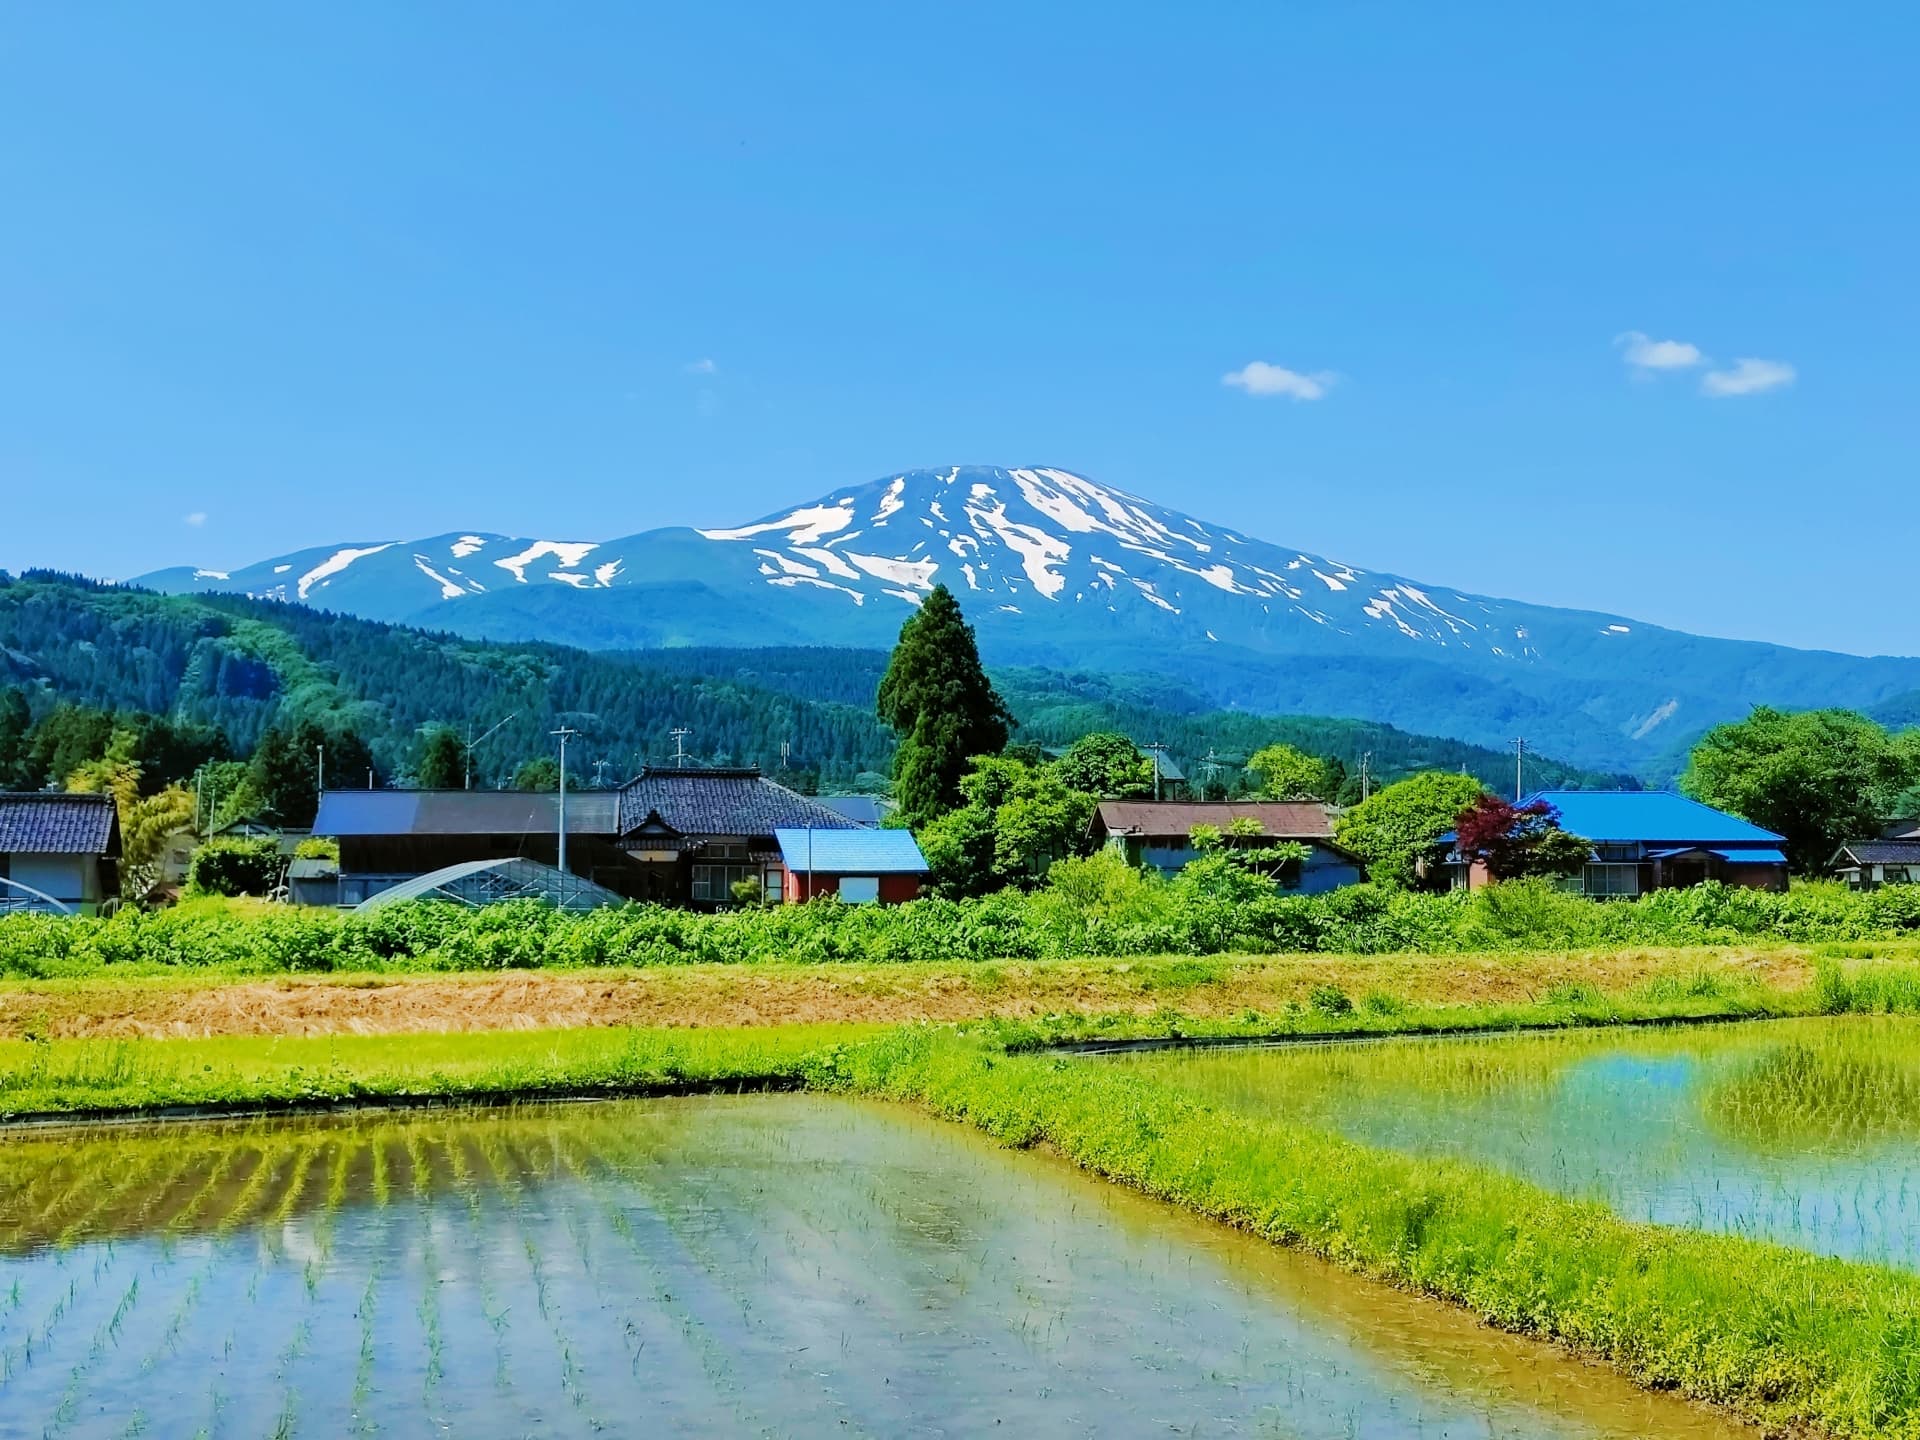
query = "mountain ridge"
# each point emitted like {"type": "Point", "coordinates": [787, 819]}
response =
{"type": "Point", "coordinates": [1055, 569]}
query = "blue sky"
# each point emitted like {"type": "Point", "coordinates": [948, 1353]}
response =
{"type": "Point", "coordinates": [296, 274]}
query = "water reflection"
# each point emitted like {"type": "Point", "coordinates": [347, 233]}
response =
{"type": "Point", "coordinates": [778, 1265]}
{"type": "Point", "coordinates": [1797, 1131]}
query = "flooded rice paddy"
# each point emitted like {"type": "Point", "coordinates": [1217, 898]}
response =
{"type": "Point", "coordinates": [778, 1265]}
{"type": "Point", "coordinates": [1800, 1131]}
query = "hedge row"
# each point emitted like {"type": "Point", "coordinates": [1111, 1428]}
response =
{"type": "Point", "coordinates": [1090, 910]}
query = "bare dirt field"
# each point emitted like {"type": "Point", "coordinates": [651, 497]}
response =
{"type": "Point", "coordinates": [705, 995]}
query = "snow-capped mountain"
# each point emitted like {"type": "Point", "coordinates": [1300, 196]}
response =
{"type": "Point", "coordinates": [1056, 568]}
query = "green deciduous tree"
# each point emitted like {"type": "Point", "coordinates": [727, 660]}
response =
{"type": "Point", "coordinates": [442, 762]}
{"type": "Point", "coordinates": [62, 742]}
{"type": "Point", "coordinates": [285, 772]}
{"type": "Point", "coordinates": [542, 773]}
{"type": "Point", "coordinates": [938, 700]}
{"type": "Point", "coordinates": [1017, 820]}
{"type": "Point", "coordinates": [1106, 764]}
{"type": "Point", "coordinates": [1396, 830]}
{"type": "Point", "coordinates": [1288, 773]}
{"type": "Point", "coordinates": [1819, 777]}
{"type": "Point", "coordinates": [15, 721]}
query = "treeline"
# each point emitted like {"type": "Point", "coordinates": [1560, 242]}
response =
{"type": "Point", "coordinates": [1093, 907]}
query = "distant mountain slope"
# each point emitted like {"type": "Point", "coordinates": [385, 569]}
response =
{"type": "Point", "coordinates": [244, 664]}
{"type": "Point", "coordinates": [1057, 570]}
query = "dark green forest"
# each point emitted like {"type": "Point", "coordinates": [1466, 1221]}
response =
{"type": "Point", "coordinates": [221, 671]}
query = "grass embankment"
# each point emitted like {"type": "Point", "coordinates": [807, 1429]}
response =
{"type": "Point", "coordinates": [1785, 1337]}
{"type": "Point", "coordinates": [106, 1077]}
{"type": "Point", "coordinates": [48, 1075]}
{"type": "Point", "coordinates": [1250, 992]}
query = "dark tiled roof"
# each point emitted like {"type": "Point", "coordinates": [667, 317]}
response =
{"type": "Point", "coordinates": [868, 810]}
{"type": "Point", "coordinates": [58, 825]}
{"type": "Point", "coordinates": [464, 812]}
{"type": "Point", "coordinates": [1278, 819]}
{"type": "Point", "coordinates": [721, 802]}
{"type": "Point", "coordinates": [1883, 852]}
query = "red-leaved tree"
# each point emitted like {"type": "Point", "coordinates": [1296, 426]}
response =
{"type": "Point", "coordinates": [1514, 841]}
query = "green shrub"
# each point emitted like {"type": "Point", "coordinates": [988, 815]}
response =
{"type": "Point", "coordinates": [236, 867]}
{"type": "Point", "coordinates": [1330, 1000]}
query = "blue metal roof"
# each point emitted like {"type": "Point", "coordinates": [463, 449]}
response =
{"type": "Point", "coordinates": [851, 852]}
{"type": "Point", "coordinates": [1654, 817]}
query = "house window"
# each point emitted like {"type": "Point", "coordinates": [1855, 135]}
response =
{"type": "Point", "coordinates": [1611, 880]}
{"type": "Point", "coordinates": [773, 884]}
{"type": "Point", "coordinates": [714, 883]}
{"type": "Point", "coordinates": [1615, 854]}
{"type": "Point", "coordinates": [860, 889]}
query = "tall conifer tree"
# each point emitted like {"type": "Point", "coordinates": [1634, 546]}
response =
{"type": "Point", "coordinates": [937, 698]}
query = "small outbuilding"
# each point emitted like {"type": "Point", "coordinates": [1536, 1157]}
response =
{"type": "Point", "coordinates": [58, 853]}
{"type": "Point", "coordinates": [860, 867]}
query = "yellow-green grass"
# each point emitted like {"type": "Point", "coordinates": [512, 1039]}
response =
{"type": "Point", "coordinates": [48, 1075]}
{"type": "Point", "coordinates": [77, 1077]}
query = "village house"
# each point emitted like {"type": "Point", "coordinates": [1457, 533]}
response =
{"type": "Point", "coordinates": [1645, 840]}
{"type": "Point", "coordinates": [1159, 835]}
{"type": "Point", "coordinates": [701, 838]}
{"type": "Point", "coordinates": [59, 853]}
{"type": "Point", "coordinates": [1892, 860]}
{"type": "Point", "coordinates": [868, 810]}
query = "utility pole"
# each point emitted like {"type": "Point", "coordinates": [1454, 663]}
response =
{"type": "Point", "coordinates": [471, 742]}
{"type": "Point", "coordinates": [1366, 776]}
{"type": "Point", "coordinates": [600, 774]}
{"type": "Point", "coordinates": [319, 771]}
{"type": "Point", "coordinates": [1519, 756]}
{"type": "Point", "coordinates": [680, 733]}
{"type": "Point", "coordinates": [565, 734]}
{"type": "Point", "coordinates": [1154, 752]}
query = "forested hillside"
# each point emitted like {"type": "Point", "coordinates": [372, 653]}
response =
{"type": "Point", "coordinates": [243, 666]}
{"type": "Point", "coordinates": [1055, 707]}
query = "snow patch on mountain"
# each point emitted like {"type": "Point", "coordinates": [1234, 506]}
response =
{"type": "Point", "coordinates": [448, 589]}
{"type": "Point", "coordinates": [334, 565]}
{"type": "Point", "coordinates": [569, 553]}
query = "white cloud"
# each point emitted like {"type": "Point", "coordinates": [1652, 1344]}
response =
{"type": "Point", "coordinates": [702, 366]}
{"type": "Point", "coordinates": [1747, 377]}
{"type": "Point", "coordinates": [1257, 377]}
{"type": "Point", "coordinates": [196, 519]}
{"type": "Point", "coordinates": [1643, 352]}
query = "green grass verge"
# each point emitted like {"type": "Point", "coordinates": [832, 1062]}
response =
{"type": "Point", "coordinates": [1786, 1337]}
{"type": "Point", "coordinates": [88, 1077]}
